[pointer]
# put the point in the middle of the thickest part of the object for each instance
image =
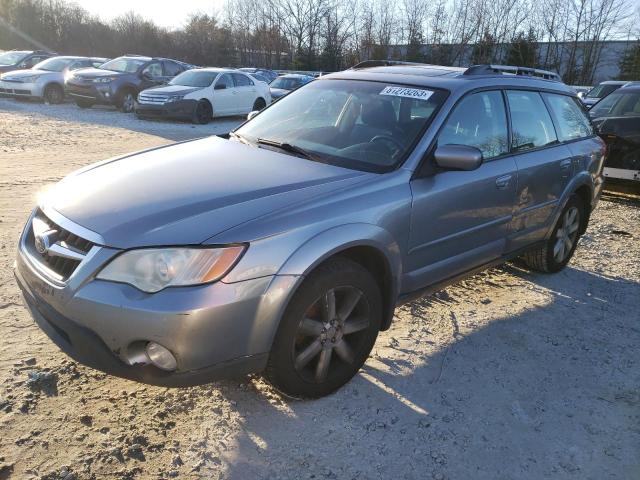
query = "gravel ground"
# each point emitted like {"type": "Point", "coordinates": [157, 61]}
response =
{"type": "Point", "coordinates": [508, 375]}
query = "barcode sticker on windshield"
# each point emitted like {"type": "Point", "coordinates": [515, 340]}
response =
{"type": "Point", "coordinates": [415, 93]}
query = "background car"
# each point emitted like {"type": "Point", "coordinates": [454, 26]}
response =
{"type": "Point", "coordinates": [265, 72]}
{"type": "Point", "coordinates": [46, 79]}
{"type": "Point", "coordinates": [617, 120]}
{"type": "Point", "coordinates": [119, 81]}
{"type": "Point", "coordinates": [600, 91]}
{"type": "Point", "coordinates": [21, 59]}
{"type": "Point", "coordinates": [202, 94]}
{"type": "Point", "coordinates": [285, 84]}
{"type": "Point", "coordinates": [260, 77]}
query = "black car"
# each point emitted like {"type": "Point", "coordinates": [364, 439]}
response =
{"type": "Point", "coordinates": [617, 119]}
{"type": "Point", "coordinates": [119, 81]}
{"type": "Point", "coordinates": [22, 59]}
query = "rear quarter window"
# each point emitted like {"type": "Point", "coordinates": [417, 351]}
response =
{"type": "Point", "coordinates": [570, 120]}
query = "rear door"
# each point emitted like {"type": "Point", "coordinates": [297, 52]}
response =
{"type": "Point", "coordinates": [460, 219]}
{"type": "Point", "coordinates": [246, 92]}
{"type": "Point", "coordinates": [545, 166]}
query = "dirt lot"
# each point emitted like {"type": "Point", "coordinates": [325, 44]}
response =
{"type": "Point", "coordinates": [508, 375]}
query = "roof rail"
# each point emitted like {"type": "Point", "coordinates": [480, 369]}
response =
{"type": "Point", "coordinates": [512, 70]}
{"type": "Point", "coordinates": [382, 63]}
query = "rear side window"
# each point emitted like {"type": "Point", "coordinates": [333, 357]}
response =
{"type": "Point", "coordinates": [570, 120]}
{"type": "Point", "coordinates": [480, 121]}
{"type": "Point", "coordinates": [242, 80]}
{"type": "Point", "coordinates": [531, 123]}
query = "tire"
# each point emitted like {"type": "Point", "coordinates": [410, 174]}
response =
{"type": "Point", "coordinates": [306, 338]}
{"type": "Point", "coordinates": [126, 101]}
{"type": "Point", "coordinates": [53, 94]}
{"type": "Point", "coordinates": [84, 104]}
{"type": "Point", "coordinates": [258, 105]}
{"type": "Point", "coordinates": [555, 254]}
{"type": "Point", "coordinates": [203, 113]}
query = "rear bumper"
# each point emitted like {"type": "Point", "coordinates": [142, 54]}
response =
{"type": "Point", "coordinates": [183, 110]}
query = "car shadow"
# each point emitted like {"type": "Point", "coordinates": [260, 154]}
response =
{"type": "Point", "coordinates": [110, 117]}
{"type": "Point", "coordinates": [550, 389]}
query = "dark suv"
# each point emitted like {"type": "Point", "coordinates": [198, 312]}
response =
{"type": "Point", "coordinates": [119, 81]}
{"type": "Point", "coordinates": [22, 59]}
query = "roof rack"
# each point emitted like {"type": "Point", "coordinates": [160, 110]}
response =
{"type": "Point", "coordinates": [512, 70]}
{"type": "Point", "coordinates": [382, 63]}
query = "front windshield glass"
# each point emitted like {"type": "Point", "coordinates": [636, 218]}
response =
{"type": "Point", "coordinates": [53, 64]}
{"type": "Point", "coordinates": [287, 83]}
{"type": "Point", "coordinates": [369, 126]}
{"type": "Point", "coordinates": [618, 104]}
{"type": "Point", "coordinates": [11, 58]}
{"type": "Point", "coordinates": [602, 91]}
{"type": "Point", "coordinates": [194, 78]}
{"type": "Point", "coordinates": [123, 65]}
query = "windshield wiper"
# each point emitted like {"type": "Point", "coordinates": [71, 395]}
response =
{"type": "Point", "coordinates": [287, 147]}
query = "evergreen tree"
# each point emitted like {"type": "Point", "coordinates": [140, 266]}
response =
{"type": "Point", "coordinates": [523, 50]}
{"type": "Point", "coordinates": [630, 64]}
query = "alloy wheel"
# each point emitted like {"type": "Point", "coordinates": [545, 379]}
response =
{"type": "Point", "coordinates": [567, 234]}
{"type": "Point", "coordinates": [127, 102]}
{"type": "Point", "coordinates": [330, 333]}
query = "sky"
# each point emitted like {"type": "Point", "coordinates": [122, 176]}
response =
{"type": "Point", "coordinates": [165, 13]}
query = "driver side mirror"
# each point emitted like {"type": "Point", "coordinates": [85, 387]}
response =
{"type": "Point", "coordinates": [220, 86]}
{"type": "Point", "coordinates": [252, 114]}
{"type": "Point", "coordinates": [458, 157]}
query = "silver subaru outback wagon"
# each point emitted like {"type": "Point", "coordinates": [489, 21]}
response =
{"type": "Point", "coordinates": [285, 247]}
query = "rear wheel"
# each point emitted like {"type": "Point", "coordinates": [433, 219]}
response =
{"type": "Point", "coordinates": [126, 101]}
{"type": "Point", "coordinates": [53, 94]}
{"type": "Point", "coordinates": [327, 332]}
{"type": "Point", "coordinates": [203, 113]}
{"type": "Point", "coordinates": [84, 103]}
{"type": "Point", "coordinates": [259, 104]}
{"type": "Point", "coordinates": [559, 248]}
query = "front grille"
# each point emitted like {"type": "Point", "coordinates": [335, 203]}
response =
{"type": "Point", "coordinates": [151, 99]}
{"type": "Point", "coordinates": [61, 266]}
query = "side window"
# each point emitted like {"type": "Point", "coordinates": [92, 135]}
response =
{"type": "Point", "coordinates": [571, 121]}
{"type": "Point", "coordinates": [242, 80]}
{"type": "Point", "coordinates": [531, 123]}
{"type": "Point", "coordinates": [225, 80]}
{"type": "Point", "coordinates": [154, 70]}
{"type": "Point", "coordinates": [171, 69]}
{"type": "Point", "coordinates": [31, 61]}
{"type": "Point", "coordinates": [480, 121]}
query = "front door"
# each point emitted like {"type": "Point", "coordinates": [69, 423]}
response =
{"type": "Point", "coordinates": [224, 96]}
{"type": "Point", "coordinates": [460, 219]}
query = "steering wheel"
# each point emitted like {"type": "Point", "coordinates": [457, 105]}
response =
{"type": "Point", "coordinates": [389, 140]}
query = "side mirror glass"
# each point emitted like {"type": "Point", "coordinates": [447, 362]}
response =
{"type": "Point", "coordinates": [252, 114]}
{"type": "Point", "coordinates": [458, 157]}
{"type": "Point", "coordinates": [220, 86]}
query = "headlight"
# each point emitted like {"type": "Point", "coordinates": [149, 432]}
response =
{"type": "Point", "coordinates": [29, 79]}
{"type": "Point", "coordinates": [174, 98]}
{"type": "Point", "coordinates": [154, 269]}
{"type": "Point", "coordinates": [103, 80]}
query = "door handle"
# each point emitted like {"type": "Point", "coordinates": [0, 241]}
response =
{"type": "Point", "coordinates": [503, 182]}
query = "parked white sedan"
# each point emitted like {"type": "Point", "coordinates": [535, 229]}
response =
{"type": "Point", "coordinates": [202, 94]}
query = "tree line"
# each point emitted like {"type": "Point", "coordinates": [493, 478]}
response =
{"type": "Point", "coordinates": [563, 35]}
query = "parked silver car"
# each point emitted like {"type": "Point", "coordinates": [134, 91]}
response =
{"type": "Point", "coordinates": [45, 81]}
{"type": "Point", "coordinates": [286, 247]}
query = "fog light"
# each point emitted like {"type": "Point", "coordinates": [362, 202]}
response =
{"type": "Point", "coordinates": [161, 357]}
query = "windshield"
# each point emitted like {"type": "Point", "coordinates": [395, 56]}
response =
{"type": "Point", "coordinates": [53, 64]}
{"type": "Point", "coordinates": [618, 104]}
{"type": "Point", "coordinates": [11, 58]}
{"type": "Point", "coordinates": [362, 125]}
{"type": "Point", "coordinates": [602, 91]}
{"type": "Point", "coordinates": [123, 65]}
{"type": "Point", "coordinates": [287, 83]}
{"type": "Point", "coordinates": [194, 78]}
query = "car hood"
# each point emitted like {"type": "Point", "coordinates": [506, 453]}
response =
{"type": "Point", "coordinates": [186, 193]}
{"type": "Point", "coordinates": [97, 72]}
{"type": "Point", "coordinates": [172, 90]}
{"type": "Point", "coordinates": [18, 74]}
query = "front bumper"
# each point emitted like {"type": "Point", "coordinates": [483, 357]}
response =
{"type": "Point", "coordinates": [94, 93]}
{"type": "Point", "coordinates": [20, 89]}
{"type": "Point", "coordinates": [182, 109]}
{"type": "Point", "coordinates": [215, 331]}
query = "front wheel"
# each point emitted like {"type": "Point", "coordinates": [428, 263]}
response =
{"type": "Point", "coordinates": [327, 332]}
{"type": "Point", "coordinates": [203, 113]}
{"type": "Point", "coordinates": [53, 95]}
{"type": "Point", "coordinates": [554, 255]}
{"type": "Point", "coordinates": [127, 101]}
